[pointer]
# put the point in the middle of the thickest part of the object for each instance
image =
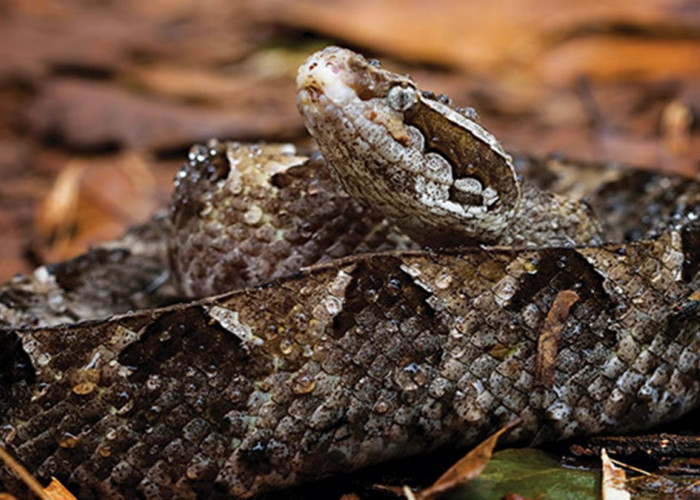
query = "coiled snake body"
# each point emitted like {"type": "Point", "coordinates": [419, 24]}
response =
{"type": "Point", "coordinates": [347, 341]}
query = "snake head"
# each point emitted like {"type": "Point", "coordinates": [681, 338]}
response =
{"type": "Point", "coordinates": [434, 172]}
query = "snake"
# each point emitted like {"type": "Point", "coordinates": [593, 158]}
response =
{"type": "Point", "coordinates": [407, 286]}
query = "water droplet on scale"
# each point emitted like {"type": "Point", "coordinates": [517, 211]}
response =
{"type": "Point", "coordinates": [303, 384]}
{"type": "Point", "coordinates": [153, 382]}
{"type": "Point", "coordinates": [530, 266]}
{"type": "Point", "coordinates": [68, 440]}
{"type": "Point", "coordinates": [333, 305]}
{"type": "Point", "coordinates": [126, 408]}
{"type": "Point", "coordinates": [211, 370]}
{"type": "Point", "coordinates": [443, 281]}
{"type": "Point", "coordinates": [43, 359]}
{"type": "Point", "coordinates": [253, 215]}
{"type": "Point", "coordinates": [381, 407]}
{"type": "Point", "coordinates": [198, 152]}
{"type": "Point", "coordinates": [83, 388]}
{"type": "Point", "coordinates": [286, 346]}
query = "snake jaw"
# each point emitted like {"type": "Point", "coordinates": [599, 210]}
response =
{"type": "Point", "coordinates": [336, 80]}
{"type": "Point", "coordinates": [321, 76]}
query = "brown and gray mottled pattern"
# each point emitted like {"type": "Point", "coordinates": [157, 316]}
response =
{"type": "Point", "coordinates": [352, 363]}
{"type": "Point", "coordinates": [246, 214]}
{"type": "Point", "coordinates": [433, 171]}
{"type": "Point", "coordinates": [358, 358]}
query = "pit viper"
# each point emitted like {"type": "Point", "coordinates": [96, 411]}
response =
{"type": "Point", "coordinates": [409, 286]}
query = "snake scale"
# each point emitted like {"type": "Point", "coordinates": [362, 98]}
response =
{"type": "Point", "coordinates": [433, 298]}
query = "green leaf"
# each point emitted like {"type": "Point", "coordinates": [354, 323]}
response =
{"type": "Point", "coordinates": [532, 474]}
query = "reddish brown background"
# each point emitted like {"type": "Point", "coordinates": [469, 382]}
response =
{"type": "Point", "coordinates": [100, 100]}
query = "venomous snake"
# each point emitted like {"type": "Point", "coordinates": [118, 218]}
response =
{"type": "Point", "coordinates": [433, 298]}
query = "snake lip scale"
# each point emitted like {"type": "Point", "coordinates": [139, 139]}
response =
{"type": "Point", "coordinates": [293, 316]}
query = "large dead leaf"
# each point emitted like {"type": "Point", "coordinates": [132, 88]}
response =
{"type": "Point", "coordinates": [39, 36]}
{"type": "Point", "coordinates": [618, 58]}
{"type": "Point", "coordinates": [503, 35]}
{"type": "Point", "coordinates": [92, 114]}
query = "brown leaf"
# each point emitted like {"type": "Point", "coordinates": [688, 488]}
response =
{"type": "Point", "coordinates": [96, 199]}
{"type": "Point", "coordinates": [468, 467]}
{"type": "Point", "coordinates": [11, 248]}
{"type": "Point", "coordinates": [23, 474]}
{"type": "Point", "coordinates": [57, 213]}
{"type": "Point", "coordinates": [675, 124]}
{"type": "Point", "coordinates": [619, 57]}
{"type": "Point", "coordinates": [264, 79]}
{"type": "Point", "coordinates": [57, 491]}
{"type": "Point", "coordinates": [71, 34]}
{"type": "Point", "coordinates": [613, 481]}
{"type": "Point", "coordinates": [547, 343]}
{"type": "Point", "coordinates": [505, 35]}
{"type": "Point", "coordinates": [92, 114]}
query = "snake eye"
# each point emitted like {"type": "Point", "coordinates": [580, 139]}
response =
{"type": "Point", "coordinates": [401, 98]}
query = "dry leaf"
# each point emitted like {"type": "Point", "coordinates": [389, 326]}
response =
{"type": "Point", "coordinates": [468, 467]}
{"type": "Point", "coordinates": [56, 215]}
{"type": "Point", "coordinates": [619, 58]}
{"type": "Point", "coordinates": [95, 199]}
{"type": "Point", "coordinates": [57, 491]}
{"type": "Point", "coordinates": [675, 124]}
{"type": "Point", "coordinates": [23, 474]}
{"type": "Point", "coordinates": [95, 114]}
{"type": "Point", "coordinates": [105, 37]}
{"type": "Point", "coordinates": [547, 343]}
{"type": "Point", "coordinates": [614, 479]}
{"type": "Point", "coordinates": [504, 35]}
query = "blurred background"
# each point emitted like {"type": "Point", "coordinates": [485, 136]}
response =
{"type": "Point", "coordinates": [100, 100]}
